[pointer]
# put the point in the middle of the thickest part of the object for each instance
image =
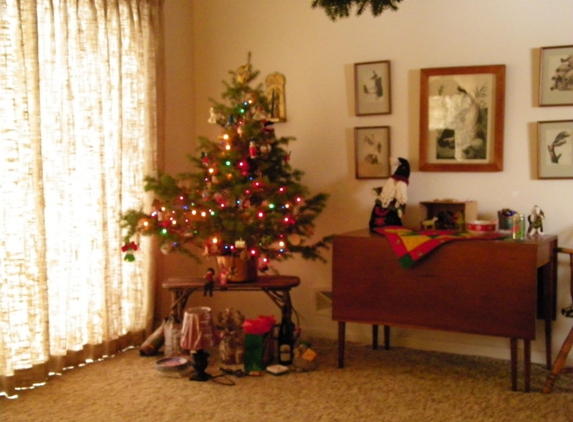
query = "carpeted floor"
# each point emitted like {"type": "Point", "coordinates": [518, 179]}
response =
{"type": "Point", "coordinates": [384, 385]}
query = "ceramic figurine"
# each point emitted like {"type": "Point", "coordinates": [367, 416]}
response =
{"type": "Point", "coordinates": [535, 221]}
{"type": "Point", "coordinates": [391, 205]}
{"type": "Point", "coordinates": [209, 282]}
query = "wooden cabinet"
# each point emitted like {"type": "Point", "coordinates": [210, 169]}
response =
{"type": "Point", "coordinates": [487, 287]}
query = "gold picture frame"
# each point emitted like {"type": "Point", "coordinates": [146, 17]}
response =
{"type": "Point", "coordinates": [462, 113]}
{"type": "Point", "coordinates": [372, 152]}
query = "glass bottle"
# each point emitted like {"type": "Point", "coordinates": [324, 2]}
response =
{"type": "Point", "coordinates": [285, 338]}
{"type": "Point", "coordinates": [518, 228]}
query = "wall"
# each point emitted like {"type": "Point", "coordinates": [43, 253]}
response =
{"type": "Point", "coordinates": [317, 57]}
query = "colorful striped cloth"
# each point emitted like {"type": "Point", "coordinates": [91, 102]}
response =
{"type": "Point", "coordinates": [412, 245]}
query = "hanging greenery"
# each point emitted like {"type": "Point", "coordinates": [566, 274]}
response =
{"type": "Point", "coordinates": [336, 9]}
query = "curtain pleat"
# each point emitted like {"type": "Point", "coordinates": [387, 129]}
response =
{"type": "Point", "coordinates": [78, 100]}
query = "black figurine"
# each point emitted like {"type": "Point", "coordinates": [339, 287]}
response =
{"type": "Point", "coordinates": [391, 204]}
{"type": "Point", "coordinates": [208, 286]}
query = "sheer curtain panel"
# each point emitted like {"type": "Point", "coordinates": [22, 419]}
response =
{"type": "Point", "coordinates": [78, 133]}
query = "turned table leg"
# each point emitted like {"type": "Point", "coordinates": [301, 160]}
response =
{"type": "Point", "coordinates": [559, 363]}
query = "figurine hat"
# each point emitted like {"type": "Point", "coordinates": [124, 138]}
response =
{"type": "Point", "coordinates": [403, 171]}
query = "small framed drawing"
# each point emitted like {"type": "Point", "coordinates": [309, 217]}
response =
{"type": "Point", "coordinates": [555, 149]}
{"type": "Point", "coordinates": [462, 118]}
{"type": "Point", "coordinates": [372, 152]}
{"type": "Point", "coordinates": [556, 76]}
{"type": "Point", "coordinates": [372, 87]}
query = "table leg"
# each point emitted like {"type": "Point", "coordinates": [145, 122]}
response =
{"type": "Point", "coordinates": [386, 337]}
{"type": "Point", "coordinates": [513, 353]}
{"type": "Point", "coordinates": [281, 299]}
{"type": "Point", "coordinates": [179, 300]}
{"type": "Point", "coordinates": [526, 365]}
{"type": "Point", "coordinates": [341, 342]}
{"type": "Point", "coordinates": [549, 279]}
{"type": "Point", "coordinates": [559, 363]}
{"type": "Point", "coordinates": [374, 337]}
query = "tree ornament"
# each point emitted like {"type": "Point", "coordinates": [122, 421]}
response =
{"type": "Point", "coordinates": [243, 73]}
{"type": "Point", "coordinates": [252, 149]}
{"type": "Point", "coordinates": [129, 249]}
{"type": "Point", "coordinates": [294, 239]}
{"type": "Point", "coordinates": [213, 116]}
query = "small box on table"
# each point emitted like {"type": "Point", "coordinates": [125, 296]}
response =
{"type": "Point", "coordinates": [447, 214]}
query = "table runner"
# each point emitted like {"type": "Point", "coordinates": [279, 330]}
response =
{"type": "Point", "coordinates": [412, 245]}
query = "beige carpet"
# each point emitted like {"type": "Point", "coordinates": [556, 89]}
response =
{"type": "Point", "coordinates": [394, 386]}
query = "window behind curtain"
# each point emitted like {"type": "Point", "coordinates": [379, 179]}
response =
{"type": "Point", "coordinates": [78, 132]}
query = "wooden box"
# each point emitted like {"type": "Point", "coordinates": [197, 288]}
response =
{"type": "Point", "coordinates": [448, 214]}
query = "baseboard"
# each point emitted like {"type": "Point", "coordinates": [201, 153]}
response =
{"type": "Point", "coordinates": [465, 344]}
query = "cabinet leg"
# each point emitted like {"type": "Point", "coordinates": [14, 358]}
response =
{"type": "Point", "coordinates": [374, 337]}
{"type": "Point", "coordinates": [526, 365]}
{"type": "Point", "coordinates": [341, 343]}
{"type": "Point", "coordinates": [386, 337]}
{"type": "Point", "coordinates": [513, 353]}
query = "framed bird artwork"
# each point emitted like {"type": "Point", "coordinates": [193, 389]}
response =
{"type": "Point", "coordinates": [372, 88]}
{"type": "Point", "coordinates": [372, 152]}
{"type": "Point", "coordinates": [462, 118]}
{"type": "Point", "coordinates": [555, 149]}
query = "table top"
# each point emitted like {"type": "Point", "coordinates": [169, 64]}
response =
{"type": "Point", "coordinates": [265, 282]}
{"type": "Point", "coordinates": [532, 240]}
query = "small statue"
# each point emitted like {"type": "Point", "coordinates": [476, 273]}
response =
{"type": "Point", "coordinates": [535, 221]}
{"type": "Point", "coordinates": [390, 207]}
{"type": "Point", "coordinates": [429, 224]}
{"type": "Point", "coordinates": [209, 283]}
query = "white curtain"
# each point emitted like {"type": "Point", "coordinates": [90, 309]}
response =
{"type": "Point", "coordinates": [78, 132]}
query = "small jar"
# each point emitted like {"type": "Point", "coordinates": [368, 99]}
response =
{"type": "Point", "coordinates": [518, 227]}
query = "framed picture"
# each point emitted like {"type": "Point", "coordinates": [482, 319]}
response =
{"type": "Point", "coordinates": [372, 88]}
{"type": "Point", "coordinates": [555, 149]}
{"type": "Point", "coordinates": [556, 76]}
{"type": "Point", "coordinates": [372, 152]}
{"type": "Point", "coordinates": [462, 118]}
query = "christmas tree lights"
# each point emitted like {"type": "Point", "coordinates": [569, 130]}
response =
{"type": "Point", "coordinates": [243, 199]}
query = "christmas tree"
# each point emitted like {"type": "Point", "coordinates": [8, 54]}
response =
{"type": "Point", "coordinates": [243, 199]}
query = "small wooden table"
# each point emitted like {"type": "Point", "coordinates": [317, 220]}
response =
{"type": "Point", "coordinates": [277, 287]}
{"type": "Point", "coordinates": [487, 287]}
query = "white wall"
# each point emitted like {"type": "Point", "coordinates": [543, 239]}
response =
{"type": "Point", "coordinates": [317, 57]}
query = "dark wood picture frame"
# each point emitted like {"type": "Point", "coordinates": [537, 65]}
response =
{"type": "Point", "coordinates": [372, 152]}
{"type": "Point", "coordinates": [555, 149]}
{"type": "Point", "coordinates": [372, 88]}
{"type": "Point", "coordinates": [462, 111]}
